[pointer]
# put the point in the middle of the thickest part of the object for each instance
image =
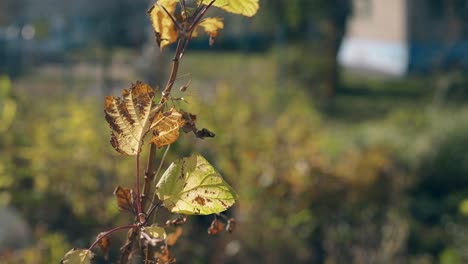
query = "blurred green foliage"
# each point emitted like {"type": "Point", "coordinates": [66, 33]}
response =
{"type": "Point", "coordinates": [384, 188]}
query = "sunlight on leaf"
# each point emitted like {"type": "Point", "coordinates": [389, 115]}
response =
{"type": "Point", "coordinates": [242, 7]}
{"type": "Point", "coordinates": [77, 256]}
{"type": "Point", "coordinates": [156, 232]}
{"type": "Point", "coordinates": [163, 25]}
{"type": "Point", "coordinates": [212, 25]}
{"type": "Point", "coordinates": [192, 186]}
{"type": "Point", "coordinates": [129, 118]}
{"type": "Point", "coordinates": [166, 127]}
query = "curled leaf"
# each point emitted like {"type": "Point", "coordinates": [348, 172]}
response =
{"type": "Point", "coordinates": [189, 126]}
{"type": "Point", "coordinates": [77, 256]}
{"type": "Point", "coordinates": [166, 127]}
{"type": "Point", "coordinates": [242, 7]}
{"type": "Point", "coordinates": [215, 227]}
{"type": "Point", "coordinates": [125, 199]}
{"type": "Point", "coordinates": [104, 244]}
{"type": "Point", "coordinates": [128, 117]}
{"type": "Point", "coordinates": [192, 186]}
{"type": "Point", "coordinates": [163, 25]}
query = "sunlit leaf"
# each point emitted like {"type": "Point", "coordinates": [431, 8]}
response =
{"type": "Point", "coordinates": [215, 227]}
{"type": "Point", "coordinates": [212, 25]}
{"type": "Point", "coordinates": [77, 256]}
{"type": "Point", "coordinates": [129, 118]}
{"type": "Point", "coordinates": [125, 199]}
{"type": "Point", "coordinates": [242, 7]}
{"type": "Point", "coordinates": [173, 237]}
{"type": "Point", "coordinates": [166, 127]}
{"type": "Point", "coordinates": [163, 25]}
{"type": "Point", "coordinates": [192, 186]}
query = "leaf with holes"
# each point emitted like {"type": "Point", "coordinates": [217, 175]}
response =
{"type": "Point", "coordinates": [242, 7]}
{"type": "Point", "coordinates": [77, 256]}
{"type": "Point", "coordinates": [166, 127]}
{"type": "Point", "coordinates": [129, 117]}
{"type": "Point", "coordinates": [192, 186]}
{"type": "Point", "coordinates": [163, 25]}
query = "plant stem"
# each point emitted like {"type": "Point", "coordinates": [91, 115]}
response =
{"type": "Point", "coordinates": [149, 175]}
{"type": "Point", "coordinates": [110, 232]}
{"type": "Point", "coordinates": [141, 217]}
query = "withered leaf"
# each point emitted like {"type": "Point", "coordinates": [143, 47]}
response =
{"type": "Point", "coordinates": [163, 25]}
{"type": "Point", "coordinates": [129, 117]}
{"type": "Point", "coordinates": [166, 127]}
{"type": "Point", "coordinates": [125, 199]}
{"type": "Point", "coordinates": [173, 237]}
{"type": "Point", "coordinates": [104, 244]}
{"type": "Point", "coordinates": [215, 227]}
{"type": "Point", "coordinates": [189, 126]}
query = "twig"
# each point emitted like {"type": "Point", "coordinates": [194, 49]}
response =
{"type": "Point", "coordinates": [110, 232]}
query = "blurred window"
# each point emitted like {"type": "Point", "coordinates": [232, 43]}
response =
{"type": "Point", "coordinates": [362, 8]}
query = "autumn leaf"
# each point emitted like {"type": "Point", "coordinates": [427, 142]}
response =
{"type": "Point", "coordinates": [129, 117]}
{"type": "Point", "coordinates": [125, 199]}
{"type": "Point", "coordinates": [166, 127]}
{"type": "Point", "coordinates": [173, 237]}
{"type": "Point", "coordinates": [104, 244]}
{"type": "Point", "coordinates": [215, 227]}
{"type": "Point", "coordinates": [192, 186]}
{"type": "Point", "coordinates": [242, 7]}
{"type": "Point", "coordinates": [77, 256]}
{"type": "Point", "coordinates": [212, 25]}
{"type": "Point", "coordinates": [163, 26]}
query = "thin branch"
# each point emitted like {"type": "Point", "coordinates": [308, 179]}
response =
{"type": "Point", "coordinates": [138, 201]}
{"type": "Point", "coordinates": [110, 232]}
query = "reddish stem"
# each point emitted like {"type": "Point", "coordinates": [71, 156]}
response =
{"type": "Point", "coordinates": [110, 232]}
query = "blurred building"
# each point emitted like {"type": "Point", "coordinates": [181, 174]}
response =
{"type": "Point", "coordinates": [401, 36]}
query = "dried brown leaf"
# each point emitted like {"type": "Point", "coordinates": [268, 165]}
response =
{"type": "Point", "coordinates": [125, 199]}
{"type": "Point", "coordinates": [129, 117]}
{"type": "Point", "coordinates": [166, 127]}
{"type": "Point", "coordinates": [216, 227]}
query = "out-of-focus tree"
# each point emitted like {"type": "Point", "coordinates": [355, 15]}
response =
{"type": "Point", "coordinates": [300, 20]}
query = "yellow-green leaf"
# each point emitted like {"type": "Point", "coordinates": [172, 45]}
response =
{"type": "Point", "coordinates": [77, 256]}
{"type": "Point", "coordinates": [192, 186]}
{"type": "Point", "coordinates": [156, 232]}
{"type": "Point", "coordinates": [163, 25]}
{"type": "Point", "coordinates": [129, 117]}
{"type": "Point", "coordinates": [242, 7]}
